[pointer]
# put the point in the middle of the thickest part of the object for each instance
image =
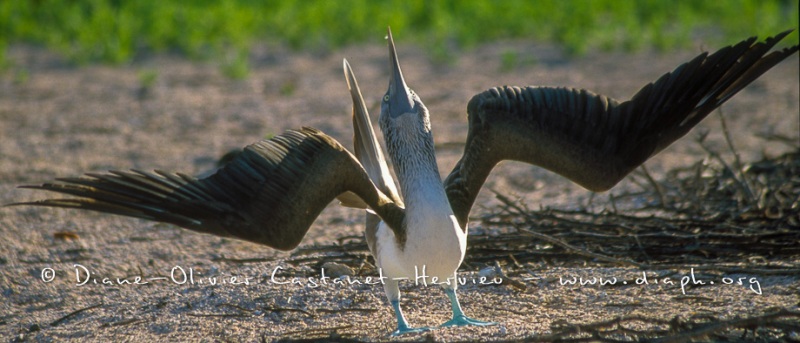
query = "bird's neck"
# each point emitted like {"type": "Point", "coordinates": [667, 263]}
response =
{"type": "Point", "coordinates": [422, 186]}
{"type": "Point", "coordinates": [414, 159]}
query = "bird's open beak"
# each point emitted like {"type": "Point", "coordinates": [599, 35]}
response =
{"type": "Point", "coordinates": [400, 100]}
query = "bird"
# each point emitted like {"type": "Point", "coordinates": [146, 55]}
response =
{"type": "Point", "coordinates": [273, 191]}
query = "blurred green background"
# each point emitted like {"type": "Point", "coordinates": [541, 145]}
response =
{"type": "Point", "coordinates": [118, 31]}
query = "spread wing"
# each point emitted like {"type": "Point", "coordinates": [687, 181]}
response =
{"type": "Point", "coordinates": [594, 140]}
{"type": "Point", "coordinates": [270, 194]}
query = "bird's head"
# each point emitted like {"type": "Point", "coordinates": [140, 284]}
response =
{"type": "Point", "coordinates": [401, 109]}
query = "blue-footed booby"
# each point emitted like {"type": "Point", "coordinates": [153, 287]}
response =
{"type": "Point", "coordinates": [275, 189]}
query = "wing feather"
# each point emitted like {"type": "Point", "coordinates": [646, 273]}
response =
{"type": "Point", "coordinates": [592, 139]}
{"type": "Point", "coordinates": [367, 149]}
{"type": "Point", "coordinates": [369, 154]}
{"type": "Point", "coordinates": [270, 194]}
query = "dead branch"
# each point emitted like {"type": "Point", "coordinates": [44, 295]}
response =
{"type": "Point", "coordinates": [73, 314]}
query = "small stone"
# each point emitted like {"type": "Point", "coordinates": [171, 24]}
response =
{"type": "Point", "coordinates": [335, 270]}
{"type": "Point", "coordinates": [490, 272]}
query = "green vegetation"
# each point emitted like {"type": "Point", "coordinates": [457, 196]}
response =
{"type": "Point", "coordinates": [117, 31]}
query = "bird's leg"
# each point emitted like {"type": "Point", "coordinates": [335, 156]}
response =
{"type": "Point", "coordinates": [393, 293]}
{"type": "Point", "coordinates": [459, 318]}
{"type": "Point", "coordinates": [402, 324]}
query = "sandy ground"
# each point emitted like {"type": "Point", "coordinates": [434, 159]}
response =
{"type": "Point", "coordinates": [60, 120]}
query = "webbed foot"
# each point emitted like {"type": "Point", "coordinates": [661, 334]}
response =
{"type": "Point", "coordinates": [463, 320]}
{"type": "Point", "coordinates": [402, 324]}
{"type": "Point", "coordinates": [402, 330]}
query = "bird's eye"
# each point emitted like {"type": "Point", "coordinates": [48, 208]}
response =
{"type": "Point", "coordinates": [386, 98]}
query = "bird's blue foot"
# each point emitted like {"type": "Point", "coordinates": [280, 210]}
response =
{"type": "Point", "coordinates": [402, 324]}
{"type": "Point", "coordinates": [459, 318]}
{"type": "Point", "coordinates": [463, 320]}
{"type": "Point", "coordinates": [402, 330]}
